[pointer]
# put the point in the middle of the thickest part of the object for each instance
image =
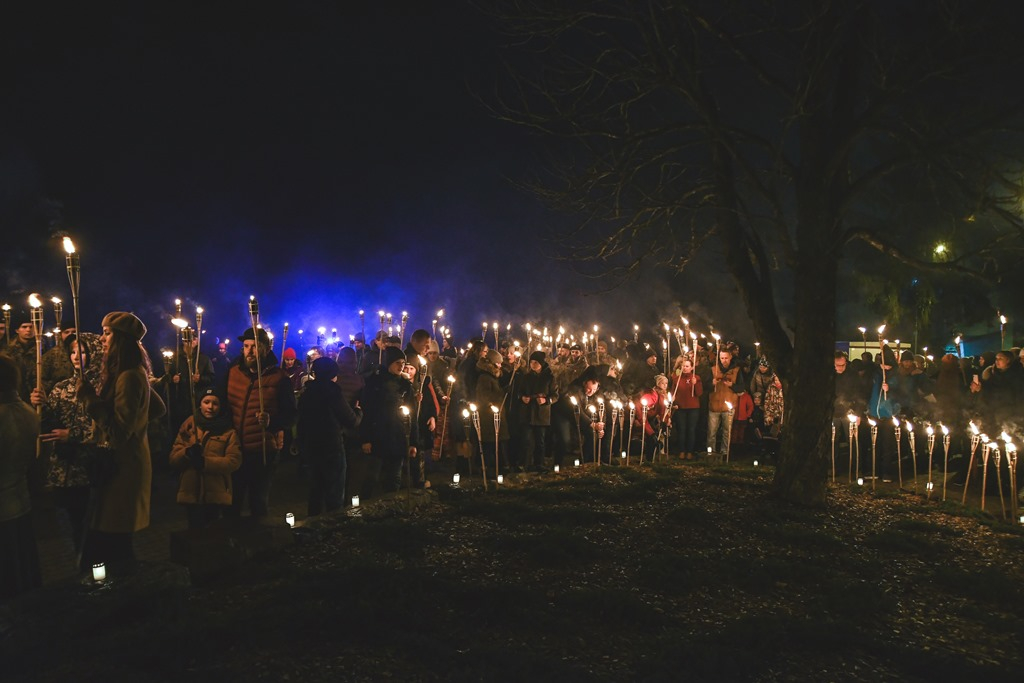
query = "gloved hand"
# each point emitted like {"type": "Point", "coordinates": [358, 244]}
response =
{"type": "Point", "coordinates": [195, 456]}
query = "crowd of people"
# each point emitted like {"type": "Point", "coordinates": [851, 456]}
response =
{"type": "Point", "coordinates": [371, 417]}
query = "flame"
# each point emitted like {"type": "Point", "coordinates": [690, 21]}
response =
{"type": "Point", "coordinates": [465, 413]}
{"type": "Point", "coordinates": [909, 425]}
{"type": "Point", "coordinates": [472, 407]}
{"type": "Point", "coordinates": [56, 300]}
{"type": "Point", "coordinates": [451, 379]}
{"type": "Point", "coordinates": [852, 418]}
{"type": "Point", "coordinates": [572, 399]}
{"type": "Point", "coordinates": [33, 300]}
{"type": "Point", "coordinates": [728, 405]}
{"type": "Point", "coordinates": [871, 422]}
{"type": "Point", "coordinates": [685, 321]}
{"type": "Point", "coordinates": [974, 428]}
{"type": "Point", "coordinates": [896, 422]}
{"type": "Point", "coordinates": [592, 409]}
{"type": "Point", "coordinates": [361, 313]}
{"type": "Point", "coordinates": [179, 323]}
{"type": "Point", "coordinates": [168, 354]}
{"type": "Point", "coordinates": [863, 330]}
{"type": "Point", "coordinates": [199, 310]}
{"type": "Point", "coordinates": [881, 328]}
{"type": "Point", "coordinates": [928, 430]}
{"type": "Point", "coordinates": [494, 409]}
{"type": "Point", "coordinates": [405, 411]}
{"type": "Point", "coordinates": [69, 246]}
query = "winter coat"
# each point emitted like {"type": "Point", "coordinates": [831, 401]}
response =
{"type": "Point", "coordinates": [489, 393]}
{"type": "Point", "coordinates": [122, 421]}
{"type": "Point", "coordinates": [19, 427]}
{"type": "Point", "coordinates": [222, 455]}
{"type": "Point", "coordinates": [725, 389]}
{"type": "Point", "coordinates": [383, 425]}
{"type": "Point", "coordinates": [244, 401]}
{"type": "Point", "coordinates": [324, 415]}
{"type": "Point", "coordinates": [536, 385]}
{"type": "Point", "coordinates": [686, 389]}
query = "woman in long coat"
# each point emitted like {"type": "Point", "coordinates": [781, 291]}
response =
{"type": "Point", "coordinates": [122, 412]}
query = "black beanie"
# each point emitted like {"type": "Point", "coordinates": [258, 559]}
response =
{"type": "Point", "coordinates": [391, 354]}
{"type": "Point", "coordinates": [325, 369]}
{"type": "Point", "coordinates": [539, 356]}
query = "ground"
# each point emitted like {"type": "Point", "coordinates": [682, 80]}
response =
{"type": "Point", "coordinates": [680, 572]}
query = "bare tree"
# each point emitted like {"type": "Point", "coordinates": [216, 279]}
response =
{"type": "Point", "coordinates": [784, 132]}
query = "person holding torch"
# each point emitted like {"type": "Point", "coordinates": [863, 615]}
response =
{"type": "Point", "coordinates": [256, 381]}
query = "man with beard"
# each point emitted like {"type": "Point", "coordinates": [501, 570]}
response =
{"type": "Point", "coordinates": [261, 432]}
{"type": "Point", "coordinates": [176, 381]}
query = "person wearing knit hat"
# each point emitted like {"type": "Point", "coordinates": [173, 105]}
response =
{"type": "Point", "coordinates": [125, 322]}
{"type": "Point", "coordinates": [292, 367]}
{"type": "Point", "coordinates": [262, 401]}
{"type": "Point", "coordinates": [386, 437]}
{"type": "Point", "coordinates": [324, 415]}
{"type": "Point", "coordinates": [122, 411]}
{"type": "Point", "coordinates": [206, 451]}
{"type": "Point", "coordinates": [22, 350]}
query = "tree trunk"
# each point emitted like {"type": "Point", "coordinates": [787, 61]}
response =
{"type": "Point", "coordinates": [809, 389]}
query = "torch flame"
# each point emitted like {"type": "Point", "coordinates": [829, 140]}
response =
{"type": "Point", "coordinates": [494, 409]}
{"type": "Point", "coordinates": [881, 329]}
{"type": "Point", "coordinates": [928, 430]}
{"type": "Point", "coordinates": [974, 428]}
{"type": "Point", "coordinates": [472, 407]}
{"type": "Point", "coordinates": [33, 300]}
{"type": "Point", "coordinates": [572, 399]}
{"type": "Point", "coordinates": [852, 418]}
{"type": "Point", "coordinates": [896, 422]}
{"type": "Point", "coordinates": [451, 379]}
{"type": "Point", "coordinates": [591, 409]}
{"type": "Point", "coordinates": [909, 425]}
{"type": "Point", "coordinates": [945, 429]}
{"type": "Point", "coordinates": [69, 246]}
{"type": "Point", "coordinates": [179, 323]}
{"type": "Point", "coordinates": [643, 401]}
{"type": "Point", "coordinates": [863, 330]}
{"type": "Point", "coordinates": [871, 422]}
{"type": "Point", "coordinates": [56, 300]}
{"type": "Point", "coordinates": [465, 413]}
{"type": "Point", "coordinates": [405, 411]}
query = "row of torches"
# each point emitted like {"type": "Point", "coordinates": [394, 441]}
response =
{"type": "Point", "coordinates": [991, 450]}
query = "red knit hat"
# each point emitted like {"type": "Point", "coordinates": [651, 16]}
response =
{"type": "Point", "coordinates": [288, 353]}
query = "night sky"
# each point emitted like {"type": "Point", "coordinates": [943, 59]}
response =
{"type": "Point", "coordinates": [324, 156]}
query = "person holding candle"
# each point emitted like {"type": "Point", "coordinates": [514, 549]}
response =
{"type": "Point", "coordinates": [122, 408]}
{"type": "Point", "coordinates": [687, 390]}
{"type": "Point", "coordinates": [585, 389]}
{"type": "Point", "coordinates": [206, 451]}
{"type": "Point", "coordinates": [261, 433]}
{"type": "Point", "coordinates": [19, 427]}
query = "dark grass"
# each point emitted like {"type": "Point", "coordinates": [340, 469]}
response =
{"type": "Point", "coordinates": [795, 589]}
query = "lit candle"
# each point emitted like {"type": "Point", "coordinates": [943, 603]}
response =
{"type": "Point", "coordinates": [501, 478]}
{"type": "Point", "coordinates": [556, 468]}
{"type": "Point", "coordinates": [289, 519]}
{"type": "Point", "coordinates": [355, 501]}
{"type": "Point", "coordinates": [576, 462]}
{"type": "Point", "coordinates": [99, 572]}
{"type": "Point", "coordinates": [456, 478]}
